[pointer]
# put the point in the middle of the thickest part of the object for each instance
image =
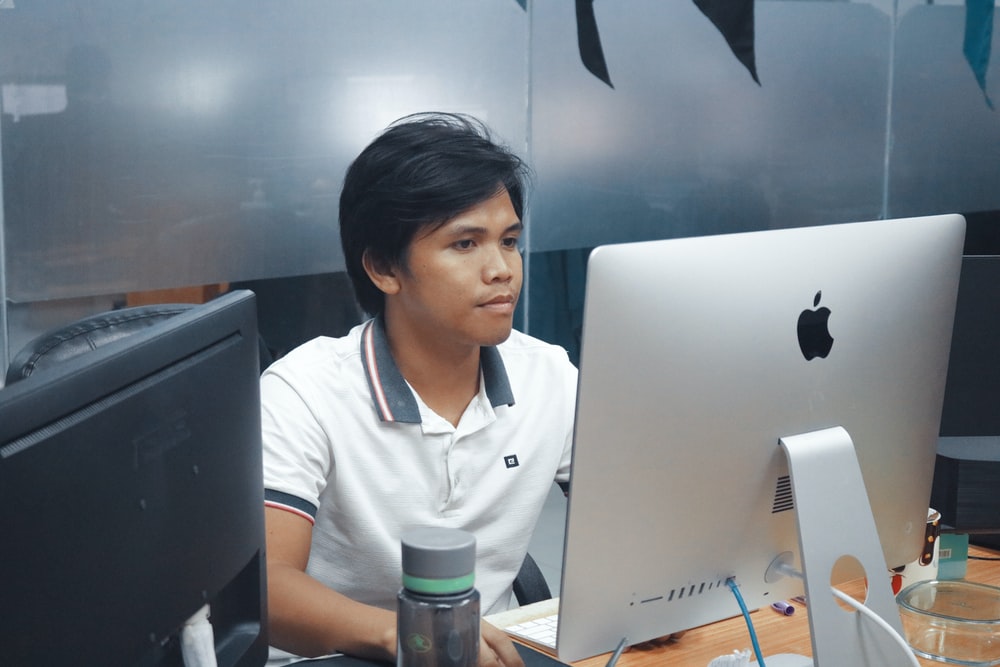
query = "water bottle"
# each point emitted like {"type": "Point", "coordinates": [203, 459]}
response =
{"type": "Point", "coordinates": [438, 611]}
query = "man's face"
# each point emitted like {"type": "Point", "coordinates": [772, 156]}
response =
{"type": "Point", "coordinates": [462, 280]}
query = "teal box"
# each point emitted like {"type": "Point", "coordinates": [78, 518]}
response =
{"type": "Point", "coordinates": [953, 556]}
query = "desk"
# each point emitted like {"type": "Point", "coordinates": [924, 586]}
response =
{"type": "Point", "coordinates": [776, 633]}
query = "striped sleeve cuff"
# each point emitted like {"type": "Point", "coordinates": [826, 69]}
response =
{"type": "Point", "coordinates": [289, 503]}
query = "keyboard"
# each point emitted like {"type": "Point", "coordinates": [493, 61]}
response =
{"type": "Point", "coordinates": [539, 631]}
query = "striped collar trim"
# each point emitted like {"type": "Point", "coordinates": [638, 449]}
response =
{"type": "Point", "coordinates": [392, 397]}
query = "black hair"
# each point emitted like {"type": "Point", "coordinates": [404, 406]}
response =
{"type": "Point", "coordinates": [422, 171]}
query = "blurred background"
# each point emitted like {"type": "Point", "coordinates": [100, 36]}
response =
{"type": "Point", "coordinates": [170, 151]}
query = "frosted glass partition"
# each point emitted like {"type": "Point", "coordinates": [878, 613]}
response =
{"type": "Point", "coordinates": [946, 139]}
{"type": "Point", "coordinates": [158, 144]}
{"type": "Point", "coordinates": [864, 110]}
{"type": "Point", "coordinates": [687, 143]}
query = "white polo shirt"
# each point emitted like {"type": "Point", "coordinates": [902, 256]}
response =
{"type": "Point", "coordinates": [349, 446]}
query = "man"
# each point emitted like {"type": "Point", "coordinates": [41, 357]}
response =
{"type": "Point", "coordinates": [434, 412]}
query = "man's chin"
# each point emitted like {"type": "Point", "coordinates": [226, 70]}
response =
{"type": "Point", "coordinates": [496, 337]}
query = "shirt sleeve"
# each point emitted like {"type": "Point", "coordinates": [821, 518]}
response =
{"type": "Point", "coordinates": [296, 450]}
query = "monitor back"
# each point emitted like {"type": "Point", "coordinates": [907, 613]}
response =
{"type": "Point", "coordinates": [973, 388]}
{"type": "Point", "coordinates": [130, 496]}
{"type": "Point", "coordinates": [690, 372]}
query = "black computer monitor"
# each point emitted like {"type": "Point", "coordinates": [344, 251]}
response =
{"type": "Point", "coordinates": [725, 435]}
{"type": "Point", "coordinates": [968, 464]}
{"type": "Point", "coordinates": [972, 392]}
{"type": "Point", "coordinates": [131, 496]}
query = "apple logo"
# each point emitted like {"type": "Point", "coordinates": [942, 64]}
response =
{"type": "Point", "coordinates": [813, 330]}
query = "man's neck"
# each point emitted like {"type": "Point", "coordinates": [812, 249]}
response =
{"type": "Point", "coordinates": [446, 377]}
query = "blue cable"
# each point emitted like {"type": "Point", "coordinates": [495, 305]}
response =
{"type": "Point", "coordinates": [731, 582]}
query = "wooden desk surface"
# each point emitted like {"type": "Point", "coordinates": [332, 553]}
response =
{"type": "Point", "coordinates": [775, 632]}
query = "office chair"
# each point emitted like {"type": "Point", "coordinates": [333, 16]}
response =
{"type": "Point", "coordinates": [530, 585]}
{"type": "Point", "coordinates": [95, 331]}
{"type": "Point", "coordinates": [86, 334]}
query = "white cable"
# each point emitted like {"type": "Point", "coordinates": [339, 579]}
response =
{"type": "Point", "coordinates": [881, 622]}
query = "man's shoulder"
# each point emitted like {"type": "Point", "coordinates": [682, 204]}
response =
{"type": "Point", "coordinates": [322, 351]}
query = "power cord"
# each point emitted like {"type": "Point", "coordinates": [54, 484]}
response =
{"type": "Point", "coordinates": [731, 582]}
{"type": "Point", "coordinates": [891, 631]}
{"type": "Point", "coordinates": [843, 597]}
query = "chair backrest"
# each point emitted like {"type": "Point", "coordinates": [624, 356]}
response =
{"type": "Point", "coordinates": [86, 334]}
{"type": "Point", "coordinates": [530, 585]}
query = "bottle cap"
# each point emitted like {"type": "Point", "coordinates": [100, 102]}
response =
{"type": "Point", "coordinates": [438, 561]}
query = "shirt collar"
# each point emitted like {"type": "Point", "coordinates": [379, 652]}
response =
{"type": "Point", "coordinates": [392, 397]}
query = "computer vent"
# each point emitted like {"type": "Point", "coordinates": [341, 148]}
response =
{"type": "Point", "coordinates": [783, 501]}
{"type": "Point", "coordinates": [686, 591]}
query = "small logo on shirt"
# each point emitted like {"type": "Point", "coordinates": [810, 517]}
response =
{"type": "Point", "coordinates": [511, 461]}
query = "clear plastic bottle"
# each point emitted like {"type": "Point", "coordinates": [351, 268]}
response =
{"type": "Point", "coordinates": [438, 611]}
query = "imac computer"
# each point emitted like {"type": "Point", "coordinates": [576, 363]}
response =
{"type": "Point", "coordinates": [762, 409]}
{"type": "Point", "coordinates": [131, 498]}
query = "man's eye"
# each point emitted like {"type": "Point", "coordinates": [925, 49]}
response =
{"type": "Point", "coordinates": [510, 242]}
{"type": "Point", "coordinates": [464, 244]}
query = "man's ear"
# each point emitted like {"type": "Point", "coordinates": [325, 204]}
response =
{"type": "Point", "coordinates": [381, 273]}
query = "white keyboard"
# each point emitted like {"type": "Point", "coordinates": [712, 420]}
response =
{"type": "Point", "coordinates": [541, 631]}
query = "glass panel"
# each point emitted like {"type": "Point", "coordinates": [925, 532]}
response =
{"type": "Point", "coordinates": [686, 143]}
{"type": "Point", "coordinates": [946, 137]}
{"type": "Point", "coordinates": [159, 144]}
{"type": "Point", "coordinates": [150, 145]}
